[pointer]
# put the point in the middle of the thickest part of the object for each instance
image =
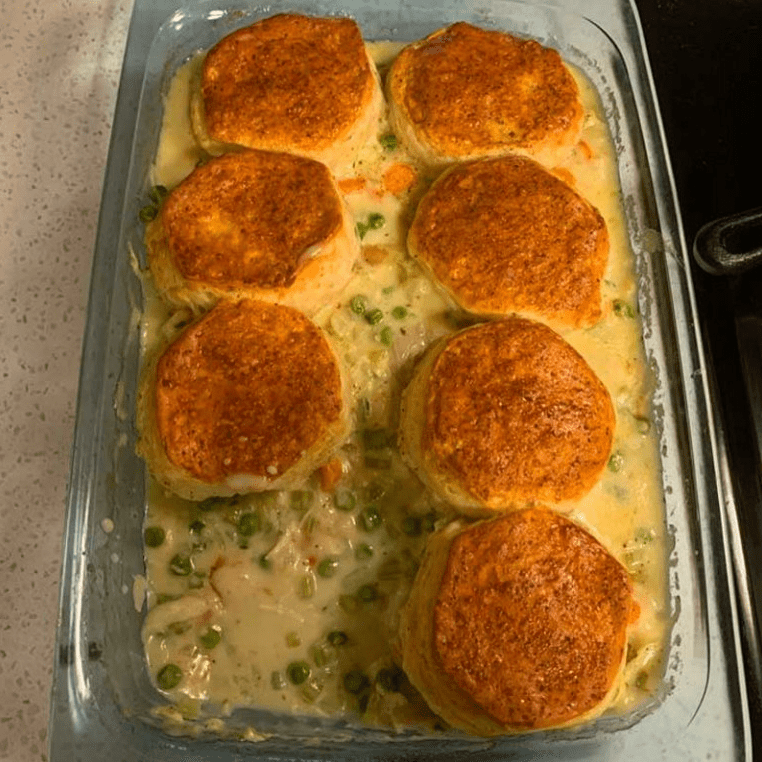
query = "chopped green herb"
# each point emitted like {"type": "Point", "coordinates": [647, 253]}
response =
{"type": "Point", "coordinates": [358, 304]}
{"type": "Point", "coordinates": [301, 500]}
{"type": "Point", "coordinates": [178, 628]}
{"type": "Point", "coordinates": [318, 655]}
{"type": "Point", "coordinates": [306, 586]}
{"type": "Point", "coordinates": [374, 317]}
{"type": "Point", "coordinates": [370, 518]}
{"type": "Point", "coordinates": [616, 461]}
{"type": "Point", "coordinates": [388, 290]}
{"type": "Point", "coordinates": [337, 637]}
{"type": "Point", "coordinates": [311, 690]}
{"type": "Point", "coordinates": [277, 681]}
{"type": "Point", "coordinates": [264, 562]}
{"type": "Point", "coordinates": [328, 567]}
{"type": "Point", "coordinates": [411, 526]}
{"type": "Point", "coordinates": [355, 681]}
{"type": "Point", "coordinates": [362, 229]}
{"type": "Point", "coordinates": [388, 141]}
{"type": "Point", "coordinates": [623, 309]}
{"type": "Point", "coordinates": [210, 638]}
{"type": "Point", "coordinates": [169, 677]}
{"type": "Point", "coordinates": [293, 640]}
{"type": "Point", "coordinates": [367, 593]}
{"type": "Point", "coordinates": [249, 524]}
{"type": "Point", "coordinates": [375, 439]}
{"type": "Point", "coordinates": [148, 213]}
{"type": "Point", "coordinates": [390, 678]}
{"type": "Point", "coordinates": [386, 336]}
{"type": "Point", "coordinates": [344, 500]}
{"type": "Point", "coordinates": [399, 313]}
{"type": "Point", "coordinates": [180, 565]}
{"type": "Point", "coordinates": [376, 220]}
{"type": "Point", "coordinates": [154, 536]}
{"type": "Point", "coordinates": [298, 672]}
{"type": "Point", "coordinates": [363, 552]}
{"type": "Point", "coordinates": [158, 193]}
{"type": "Point", "coordinates": [641, 680]}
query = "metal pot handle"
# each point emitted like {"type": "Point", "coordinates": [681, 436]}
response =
{"type": "Point", "coordinates": [731, 245]}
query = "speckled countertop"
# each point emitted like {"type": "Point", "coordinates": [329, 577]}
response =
{"type": "Point", "coordinates": [59, 65]}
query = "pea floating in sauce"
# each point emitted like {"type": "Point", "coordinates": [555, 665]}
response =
{"type": "Point", "coordinates": [154, 536]}
{"type": "Point", "coordinates": [169, 677]}
{"type": "Point", "coordinates": [298, 672]}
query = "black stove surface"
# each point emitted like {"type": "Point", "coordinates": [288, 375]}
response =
{"type": "Point", "coordinates": [706, 58]}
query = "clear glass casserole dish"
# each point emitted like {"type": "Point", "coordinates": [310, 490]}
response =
{"type": "Point", "coordinates": [102, 696]}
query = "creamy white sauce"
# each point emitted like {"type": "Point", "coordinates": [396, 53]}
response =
{"type": "Point", "coordinates": [267, 594]}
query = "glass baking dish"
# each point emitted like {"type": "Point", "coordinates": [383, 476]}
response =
{"type": "Point", "coordinates": [102, 698]}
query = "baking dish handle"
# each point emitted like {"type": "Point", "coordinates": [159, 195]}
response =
{"type": "Point", "coordinates": [731, 245]}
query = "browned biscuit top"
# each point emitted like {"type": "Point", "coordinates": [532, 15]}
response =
{"type": "Point", "coordinates": [504, 235]}
{"type": "Point", "coordinates": [514, 413]}
{"type": "Point", "coordinates": [246, 390]}
{"type": "Point", "coordinates": [531, 617]}
{"type": "Point", "coordinates": [293, 79]}
{"type": "Point", "coordinates": [250, 218]}
{"type": "Point", "coordinates": [468, 90]}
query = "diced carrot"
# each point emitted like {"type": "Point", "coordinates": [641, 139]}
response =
{"type": "Point", "coordinates": [584, 146]}
{"type": "Point", "coordinates": [399, 178]}
{"type": "Point", "coordinates": [374, 255]}
{"type": "Point", "coordinates": [330, 474]}
{"type": "Point", "coordinates": [564, 174]}
{"type": "Point", "coordinates": [351, 184]}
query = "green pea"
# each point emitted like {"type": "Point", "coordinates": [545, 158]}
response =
{"type": "Point", "coordinates": [328, 567]}
{"type": "Point", "coordinates": [337, 637]}
{"type": "Point", "coordinates": [249, 524]}
{"type": "Point", "coordinates": [358, 304]}
{"type": "Point", "coordinates": [388, 141]}
{"type": "Point", "coordinates": [367, 593]}
{"type": "Point", "coordinates": [374, 317]}
{"type": "Point", "coordinates": [148, 213]}
{"type": "Point", "coordinates": [154, 536]}
{"type": "Point", "coordinates": [411, 526]}
{"type": "Point", "coordinates": [301, 500]}
{"type": "Point", "coordinates": [363, 552]}
{"type": "Point", "coordinates": [355, 681]}
{"type": "Point", "coordinates": [181, 565]}
{"type": "Point", "coordinates": [370, 518]}
{"type": "Point", "coordinates": [298, 672]}
{"type": "Point", "coordinates": [210, 638]}
{"type": "Point", "coordinates": [344, 500]}
{"type": "Point", "coordinates": [158, 193]}
{"type": "Point", "coordinates": [169, 677]}
{"type": "Point", "coordinates": [196, 526]}
{"type": "Point", "coordinates": [376, 220]}
{"type": "Point", "coordinates": [399, 313]}
{"type": "Point", "coordinates": [390, 678]}
{"type": "Point", "coordinates": [386, 336]}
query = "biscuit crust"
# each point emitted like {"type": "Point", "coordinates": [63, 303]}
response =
{"type": "Point", "coordinates": [249, 390]}
{"type": "Point", "coordinates": [465, 92]}
{"type": "Point", "coordinates": [504, 414]}
{"type": "Point", "coordinates": [288, 82]}
{"type": "Point", "coordinates": [253, 224]}
{"type": "Point", "coordinates": [531, 617]}
{"type": "Point", "coordinates": [504, 235]}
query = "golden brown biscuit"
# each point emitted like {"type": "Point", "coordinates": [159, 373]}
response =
{"type": "Point", "coordinates": [517, 623]}
{"type": "Point", "coordinates": [504, 414]}
{"type": "Point", "coordinates": [254, 224]}
{"type": "Point", "coordinates": [248, 398]}
{"type": "Point", "coordinates": [289, 83]}
{"type": "Point", "coordinates": [465, 93]}
{"type": "Point", "coordinates": [504, 235]}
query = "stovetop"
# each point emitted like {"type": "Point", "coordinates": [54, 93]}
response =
{"type": "Point", "coordinates": [706, 59]}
